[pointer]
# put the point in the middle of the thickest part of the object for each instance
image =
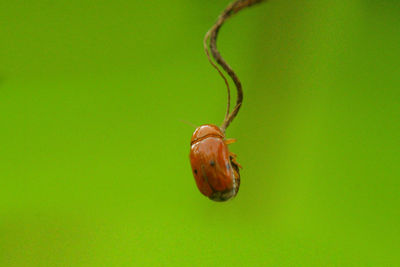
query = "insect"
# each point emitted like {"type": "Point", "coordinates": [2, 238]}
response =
{"type": "Point", "coordinates": [214, 167]}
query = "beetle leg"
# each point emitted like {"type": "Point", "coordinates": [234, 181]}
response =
{"type": "Point", "coordinates": [233, 156]}
{"type": "Point", "coordinates": [229, 141]}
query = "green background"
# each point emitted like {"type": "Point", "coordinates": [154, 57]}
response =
{"type": "Point", "coordinates": [94, 167]}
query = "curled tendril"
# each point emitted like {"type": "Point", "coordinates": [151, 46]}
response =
{"type": "Point", "coordinates": [212, 35]}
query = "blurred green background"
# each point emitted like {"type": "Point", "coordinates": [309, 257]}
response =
{"type": "Point", "coordinates": [94, 167]}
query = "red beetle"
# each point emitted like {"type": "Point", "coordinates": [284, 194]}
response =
{"type": "Point", "coordinates": [214, 168]}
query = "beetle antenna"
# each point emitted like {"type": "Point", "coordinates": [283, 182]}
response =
{"type": "Point", "coordinates": [212, 34]}
{"type": "Point", "coordinates": [189, 123]}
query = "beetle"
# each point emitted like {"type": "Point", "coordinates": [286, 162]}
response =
{"type": "Point", "coordinates": [214, 167]}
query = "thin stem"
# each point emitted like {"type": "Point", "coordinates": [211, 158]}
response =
{"type": "Point", "coordinates": [206, 37]}
{"type": "Point", "coordinates": [230, 10]}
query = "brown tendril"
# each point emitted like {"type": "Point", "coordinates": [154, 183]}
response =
{"type": "Point", "coordinates": [212, 34]}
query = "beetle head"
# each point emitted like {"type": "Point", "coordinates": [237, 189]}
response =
{"type": "Point", "coordinates": [206, 130]}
